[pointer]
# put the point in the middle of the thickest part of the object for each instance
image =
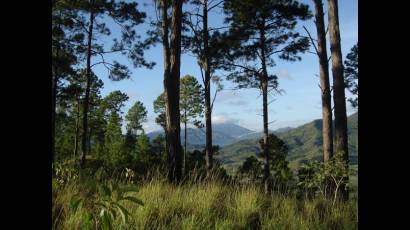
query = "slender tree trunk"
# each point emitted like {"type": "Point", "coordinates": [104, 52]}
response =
{"type": "Point", "coordinates": [54, 86]}
{"type": "Point", "coordinates": [53, 114]}
{"type": "Point", "coordinates": [266, 171]}
{"type": "Point", "coordinates": [171, 83]}
{"type": "Point", "coordinates": [77, 128]}
{"type": "Point", "coordinates": [324, 82]}
{"type": "Point", "coordinates": [207, 84]}
{"type": "Point", "coordinates": [341, 143]}
{"type": "Point", "coordinates": [87, 91]}
{"type": "Point", "coordinates": [89, 141]}
{"type": "Point", "coordinates": [185, 138]}
{"type": "Point", "coordinates": [327, 131]}
{"type": "Point", "coordinates": [264, 87]}
{"type": "Point", "coordinates": [165, 47]}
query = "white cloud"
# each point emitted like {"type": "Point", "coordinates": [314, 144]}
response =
{"type": "Point", "coordinates": [220, 119]}
{"type": "Point", "coordinates": [238, 103]}
{"type": "Point", "coordinates": [227, 95]}
{"type": "Point", "coordinates": [284, 73]}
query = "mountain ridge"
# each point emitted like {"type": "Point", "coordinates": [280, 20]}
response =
{"type": "Point", "coordinates": [304, 142]}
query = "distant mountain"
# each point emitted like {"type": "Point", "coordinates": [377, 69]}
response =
{"type": "Point", "coordinates": [282, 130]}
{"type": "Point", "coordinates": [304, 142]}
{"type": "Point", "coordinates": [222, 134]}
{"type": "Point", "coordinates": [254, 135]}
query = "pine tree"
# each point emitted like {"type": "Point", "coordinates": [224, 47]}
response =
{"type": "Point", "coordinates": [191, 105]}
{"type": "Point", "coordinates": [126, 16]}
{"type": "Point", "coordinates": [136, 115]}
{"type": "Point", "coordinates": [204, 45]}
{"type": "Point", "coordinates": [114, 142]}
{"type": "Point", "coordinates": [259, 31]}
{"type": "Point", "coordinates": [351, 74]}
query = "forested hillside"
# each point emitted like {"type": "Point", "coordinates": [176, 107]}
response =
{"type": "Point", "coordinates": [304, 142]}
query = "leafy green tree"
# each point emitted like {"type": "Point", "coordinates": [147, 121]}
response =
{"type": "Point", "coordinates": [351, 74]}
{"type": "Point", "coordinates": [257, 35]}
{"type": "Point", "coordinates": [277, 153]}
{"type": "Point", "coordinates": [109, 106]}
{"type": "Point", "coordinates": [143, 148]}
{"type": "Point", "coordinates": [71, 91]}
{"type": "Point", "coordinates": [314, 174]}
{"type": "Point", "coordinates": [158, 147]}
{"type": "Point", "coordinates": [114, 142]}
{"type": "Point", "coordinates": [136, 115]}
{"type": "Point", "coordinates": [251, 168]}
{"type": "Point", "coordinates": [159, 108]}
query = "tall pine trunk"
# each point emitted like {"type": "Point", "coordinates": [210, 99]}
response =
{"type": "Point", "coordinates": [172, 82]}
{"type": "Point", "coordinates": [185, 138]}
{"type": "Point", "coordinates": [208, 109]}
{"type": "Point", "coordinates": [77, 128]}
{"type": "Point", "coordinates": [266, 170]}
{"type": "Point", "coordinates": [264, 87]}
{"type": "Point", "coordinates": [165, 47]}
{"type": "Point", "coordinates": [324, 82]}
{"type": "Point", "coordinates": [341, 144]}
{"type": "Point", "coordinates": [87, 90]}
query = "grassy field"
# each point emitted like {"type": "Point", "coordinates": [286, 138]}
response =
{"type": "Point", "coordinates": [208, 205]}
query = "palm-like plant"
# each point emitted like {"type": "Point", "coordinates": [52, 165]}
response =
{"type": "Point", "coordinates": [109, 203]}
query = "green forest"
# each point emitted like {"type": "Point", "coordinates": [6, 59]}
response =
{"type": "Point", "coordinates": [110, 172]}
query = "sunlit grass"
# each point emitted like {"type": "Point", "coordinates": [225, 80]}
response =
{"type": "Point", "coordinates": [213, 205]}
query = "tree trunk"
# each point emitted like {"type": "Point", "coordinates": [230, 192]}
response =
{"type": "Point", "coordinates": [87, 91]}
{"type": "Point", "coordinates": [77, 128]}
{"type": "Point", "coordinates": [324, 82]}
{"type": "Point", "coordinates": [207, 84]}
{"type": "Point", "coordinates": [89, 141]}
{"type": "Point", "coordinates": [266, 171]}
{"type": "Point", "coordinates": [185, 138]}
{"type": "Point", "coordinates": [171, 83]}
{"type": "Point", "coordinates": [165, 47]}
{"type": "Point", "coordinates": [264, 87]}
{"type": "Point", "coordinates": [341, 144]}
{"type": "Point", "coordinates": [53, 114]}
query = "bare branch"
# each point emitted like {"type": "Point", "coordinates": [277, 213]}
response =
{"type": "Point", "coordinates": [213, 100]}
{"type": "Point", "coordinates": [218, 28]}
{"type": "Point", "coordinates": [194, 14]}
{"type": "Point", "coordinates": [82, 24]}
{"type": "Point", "coordinates": [271, 122]}
{"type": "Point", "coordinates": [202, 74]}
{"type": "Point", "coordinates": [273, 100]}
{"type": "Point", "coordinates": [312, 52]}
{"type": "Point", "coordinates": [216, 5]}
{"type": "Point", "coordinates": [312, 41]}
{"type": "Point", "coordinates": [243, 67]}
{"type": "Point", "coordinates": [274, 52]}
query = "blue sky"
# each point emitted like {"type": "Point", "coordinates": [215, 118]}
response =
{"type": "Point", "coordinates": [300, 103]}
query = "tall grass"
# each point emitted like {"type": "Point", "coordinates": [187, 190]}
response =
{"type": "Point", "coordinates": [210, 204]}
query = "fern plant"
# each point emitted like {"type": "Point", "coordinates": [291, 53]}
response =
{"type": "Point", "coordinates": [109, 204]}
